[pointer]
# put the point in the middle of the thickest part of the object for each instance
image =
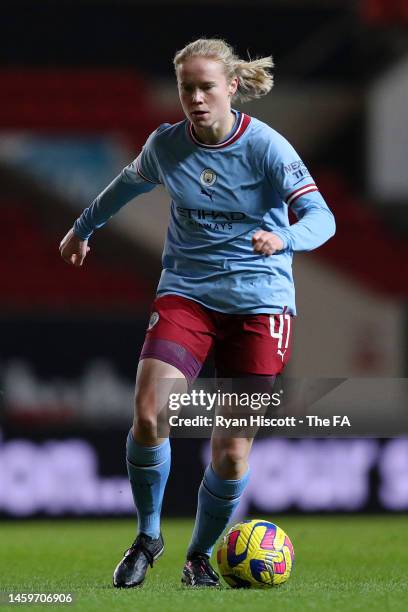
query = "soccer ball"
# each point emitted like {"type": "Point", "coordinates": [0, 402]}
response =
{"type": "Point", "coordinates": [255, 554]}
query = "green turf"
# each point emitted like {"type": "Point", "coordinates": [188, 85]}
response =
{"type": "Point", "coordinates": [342, 563]}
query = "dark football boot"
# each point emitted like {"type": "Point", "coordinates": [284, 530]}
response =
{"type": "Point", "coordinates": [197, 572]}
{"type": "Point", "coordinates": [131, 571]}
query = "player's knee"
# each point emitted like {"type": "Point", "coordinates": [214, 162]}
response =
{"type": "Point", "coordinates": [145, 419]}
{"type": "Point", "coordinates": [145, 428]}
{"type": "Point", "coordinates": [234, 456]}
{"type": "Point", "coordinates": [230, 461]}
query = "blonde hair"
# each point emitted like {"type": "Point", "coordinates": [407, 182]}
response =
{"type": "Point", "coordinates": [254, 77]}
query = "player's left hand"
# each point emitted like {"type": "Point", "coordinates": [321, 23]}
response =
{"type": "Point", "coordinates": [266, 243]}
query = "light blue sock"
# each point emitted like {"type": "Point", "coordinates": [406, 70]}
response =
{"type": "Point", "coordinates": [217, 500]}
{"type": "Point", "coordinates": [148, 469]}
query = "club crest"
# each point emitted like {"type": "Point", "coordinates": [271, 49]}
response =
{"type": "Point", "coordinates": [153, 320]}
{"type": "Point", "coordinates": [208, 177]}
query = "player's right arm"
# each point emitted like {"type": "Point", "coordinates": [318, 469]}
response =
{"type": "Point", "coordinates": [141, 176]}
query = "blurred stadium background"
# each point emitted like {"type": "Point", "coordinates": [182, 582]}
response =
{"type": "Point", "coordinates": [83, 83]}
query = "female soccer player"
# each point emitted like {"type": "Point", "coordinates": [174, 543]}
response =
{"type": "Point", "coordinates": [226, 282]}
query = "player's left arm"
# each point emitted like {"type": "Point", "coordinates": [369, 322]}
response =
{"type": "Point", "coordinates": [314, 227]}
{"type": "Point", "coordinates": [298, 190]}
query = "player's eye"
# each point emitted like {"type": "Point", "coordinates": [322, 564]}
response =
{"type": "Point", "coordinates": [190, 88]}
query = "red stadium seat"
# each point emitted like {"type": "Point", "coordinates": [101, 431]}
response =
{"type": "Point", "coordinates": [33, 274]}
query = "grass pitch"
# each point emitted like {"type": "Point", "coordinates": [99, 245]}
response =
{"type": "Point", "coordinates": [342, 563]}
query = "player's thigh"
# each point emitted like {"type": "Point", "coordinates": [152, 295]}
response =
{"type": "Point", "coordinates": [155, 380]}
{"type": "Point", "coordinates": [256, 345]}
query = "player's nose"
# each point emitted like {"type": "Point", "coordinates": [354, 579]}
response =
{"type": "Point", "coordinates": [197, 96]}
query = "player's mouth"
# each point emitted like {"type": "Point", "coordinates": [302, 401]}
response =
{"type": "Point", "coordinates": [199, 114]}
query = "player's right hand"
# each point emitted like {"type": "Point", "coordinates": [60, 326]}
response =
{"type": "Point", "coordinates": [73, 250]}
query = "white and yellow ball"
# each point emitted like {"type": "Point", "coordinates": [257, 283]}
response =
{"type": "Point", "coordinates": [255, 554]}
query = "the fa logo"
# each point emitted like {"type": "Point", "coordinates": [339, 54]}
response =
{"type": "Point", "coordinates": [208, 177]}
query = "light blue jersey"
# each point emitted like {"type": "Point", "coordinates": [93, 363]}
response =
{"type": "Point", "coordinates": [220, 196]}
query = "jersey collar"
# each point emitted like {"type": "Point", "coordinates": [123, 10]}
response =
{"type": "Point", "coordinates": [239, 128]}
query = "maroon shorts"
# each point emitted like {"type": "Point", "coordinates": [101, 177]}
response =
{"type": "Point", "coordinates": [182, 332]}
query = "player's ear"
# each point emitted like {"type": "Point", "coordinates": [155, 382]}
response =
{"type": "Point", "coordinates": [233, 86]}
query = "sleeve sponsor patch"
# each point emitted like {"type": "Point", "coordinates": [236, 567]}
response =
{"type": "Point", "coordinates": [296, 169]}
